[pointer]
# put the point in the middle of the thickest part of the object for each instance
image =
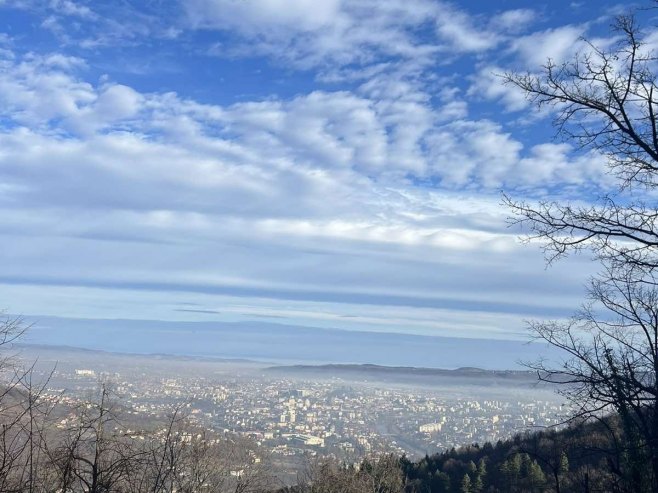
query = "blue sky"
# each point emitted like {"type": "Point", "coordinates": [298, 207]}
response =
{"type": "Point", "coordinates": [325, 163]}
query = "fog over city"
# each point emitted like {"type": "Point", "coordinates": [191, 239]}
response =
{"type": "Point", "coordinates": [294, 411]}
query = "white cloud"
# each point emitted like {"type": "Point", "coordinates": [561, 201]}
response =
{"type": "Point", "coordinates": [515, 20]}
{"type": "Point", "coordinates": [457, 30]}
{"type": "Point", "coordinates": [117, 102]}
{"type": "Point", "coordinates": [551, 163]}
{"type": "Point", "coordinates": [360, 32]}
{"type": "Point", "coordinates": [488, 84]}
{"type": "Point", "coordinates": [383, 135]}
{"type": "Point", "coordinates": [67, 7]}
{"type": "Point", "coordinates": [92, 25]}
{"type": "Point", "coordinates": [40, 90]}
{"type": "Point", "coordinates": [255, 16]}
{"type": "Point", "coordinates": [557, 44]}
{"type": "Point", "coordinates": [480, 153]}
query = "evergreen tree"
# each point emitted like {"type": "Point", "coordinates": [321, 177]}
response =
{"type": "Point", "coordinates": [466, 484]}
{"type": "Point", "coordinates": [479, 483]}
{"type": "Point", "coordinates": [440, 482]}
{"type": "Point", "coordinates": [564, 463]}
{"type": "Point", "coordinates": [535, 476]}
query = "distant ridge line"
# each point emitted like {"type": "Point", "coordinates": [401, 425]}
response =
{"type": "Point", "coordinates": [177, 357]}
{"type": "Point", "coordinates": [467, 371]}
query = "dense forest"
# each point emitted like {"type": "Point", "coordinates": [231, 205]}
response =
{"type": "Point", "coordinates": [583, 457]}
{"type": "Point", "coordinates": [578, 458]}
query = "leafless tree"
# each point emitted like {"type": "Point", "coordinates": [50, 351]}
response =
{"type": "Point", "coordinates": [381, 475]}
{"type": "Point", "coordinates": [605, 101]}
{"type": "Point", "coordinates": [94, 447]}
{"type": "Point", "coordinates": [225, 464]}
{"type": "Point", "coordinates": [611, 364]}
{"type": "Point", "coordinates": [94, 454]}
{"type": "Point", "coordinates": [24, 414]}
{"type": "Point", "coordinates": [183, 457]}
{"type": "Point", "coordinates": [164, 452]}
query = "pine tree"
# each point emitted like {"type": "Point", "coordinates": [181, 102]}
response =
{"type": "Point", "coordinates": [466, 484]}
{"type": "Point", "coordinates": [536, 476]}
{"type": "Point", "coordinates": [564, 463]}
{"type": "Point", "coordinates": [478, 486]}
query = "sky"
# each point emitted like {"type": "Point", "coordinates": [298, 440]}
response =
{"type": "Point", "coordinates": [320, 163]}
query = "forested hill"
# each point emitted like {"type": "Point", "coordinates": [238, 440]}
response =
{"type": "Point", "coordinates": [580, 458]}
{"type": "Point", "coordinates": [575, 459]}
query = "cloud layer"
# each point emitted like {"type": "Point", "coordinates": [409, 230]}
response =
{"type": "Point", "coordinates": [363, 196]}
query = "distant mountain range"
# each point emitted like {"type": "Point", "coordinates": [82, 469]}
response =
{"type": "Point", "coordinates": [279, 343]}
{"type": "Point", "coordinates": [409, 370]}
{"type": "Point", "coordinates": [409, 374]}
{"type": "Point", "coordinates": [349, 372]}
{"type": "Point", "coordinates": [71, 351]}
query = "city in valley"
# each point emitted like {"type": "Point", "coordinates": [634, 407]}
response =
{"type": "Point", "coordinates": [291, 413]}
